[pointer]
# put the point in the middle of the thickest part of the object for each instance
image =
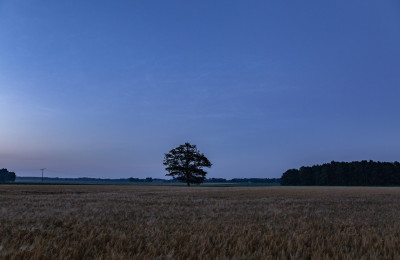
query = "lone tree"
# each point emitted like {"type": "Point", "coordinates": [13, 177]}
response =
{"type": "Point", "coordinates": [186, 162]}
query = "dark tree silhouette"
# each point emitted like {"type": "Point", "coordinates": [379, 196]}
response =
{"type": "Point", "coordinates": [6, 176]}
{"type": "Point", "coordinates": [186, 163]}
{"type": "Point", "coordinates": [364, 173]}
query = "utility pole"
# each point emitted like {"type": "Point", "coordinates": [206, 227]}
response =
{"type": "Point", "coordinates": [42, 172]}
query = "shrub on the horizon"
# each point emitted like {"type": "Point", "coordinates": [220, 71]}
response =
{"type": "Point", "coordinates": [6, 176]}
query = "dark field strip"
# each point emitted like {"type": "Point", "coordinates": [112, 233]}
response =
{"type": "Point", "coordinates": [161, 222]}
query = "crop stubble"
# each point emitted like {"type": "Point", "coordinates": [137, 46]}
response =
{"type": "Point", "coordinates": [136, 222]}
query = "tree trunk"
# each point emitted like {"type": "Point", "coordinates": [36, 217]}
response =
{"type": "Point", "coordinates": [187, 174]}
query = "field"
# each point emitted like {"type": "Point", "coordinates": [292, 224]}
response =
{"type": "Point", "coordinates": [136, 222]}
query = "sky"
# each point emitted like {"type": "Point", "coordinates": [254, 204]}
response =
{"type": "Point", "coordinates": [106, 88]}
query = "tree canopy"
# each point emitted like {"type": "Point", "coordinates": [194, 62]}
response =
{"type": "Point", "coordinates": [364, 173]}
{"type": "Point", "coordinates": [6, 176]}
{"type": "Point", "coordinates": [186, 163]}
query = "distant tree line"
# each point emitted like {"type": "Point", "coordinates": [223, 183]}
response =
{"type": "Point", "coordinates": [6, 176]}
{"type": "Point", "coordinates": [364, 173]}
{"type": "Point", "coordinates": [213, 180]}
{"type": "Point", "coordinates": [148, 179]}
{"type": "Point", "coordinates": [243, 180]}
{"type": "Point", "coordinates": [144, 180]}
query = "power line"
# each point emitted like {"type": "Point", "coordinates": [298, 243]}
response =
{"type": "Point", "coordinates": [42, 172]}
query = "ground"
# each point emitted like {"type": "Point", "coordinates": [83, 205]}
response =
{"type": "Point", "coordinates": [147, 222]}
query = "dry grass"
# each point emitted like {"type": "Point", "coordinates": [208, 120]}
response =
{"type": "Point", "coordinates": [133, 222]}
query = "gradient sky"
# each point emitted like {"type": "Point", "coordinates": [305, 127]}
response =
{"type": "Point", "coordinates": [105, 88]}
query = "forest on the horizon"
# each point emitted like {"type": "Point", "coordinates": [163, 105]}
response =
{"type": "Point", "coordinates": [358, 173]}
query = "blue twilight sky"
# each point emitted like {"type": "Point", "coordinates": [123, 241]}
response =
{"type": "Point", "coordinates": [105, 88]}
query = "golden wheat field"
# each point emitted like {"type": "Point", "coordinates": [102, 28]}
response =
{"type": "Point", "coordinates": [145, 222]}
